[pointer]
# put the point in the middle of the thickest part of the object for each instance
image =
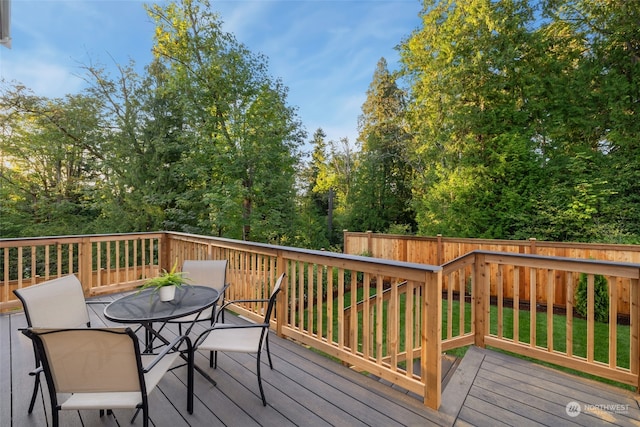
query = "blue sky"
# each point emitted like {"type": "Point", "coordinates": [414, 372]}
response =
{"type": "Point", "coordinates": [324, 51]}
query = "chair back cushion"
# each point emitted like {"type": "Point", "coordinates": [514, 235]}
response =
{"type": "Point", "coordinates": [56, 303]}
{"type": "Point", "coordinates": [90, 360]}
{"type": "Point", "coordinates": [212, 273]}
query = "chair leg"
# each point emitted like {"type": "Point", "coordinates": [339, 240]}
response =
{"type": "Point", "coordinates": [36, 387]}
{"type": "Point", "coordinates": [264, 400]}
{"type": "Point", "coordinates": [269, 351]}
{"type": "Point", "coordinates": [135, 415]}
{"type": "Point", "coordinates": [190, 369]}
{"type": "Point", "coordinates": [211, 356]}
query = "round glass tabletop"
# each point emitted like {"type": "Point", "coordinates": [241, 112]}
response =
{"type": "Point", "coordinates": [145, 306]}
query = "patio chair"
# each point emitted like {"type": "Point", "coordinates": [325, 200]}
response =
{"type": "Point", "coordinates": [56, 303]}
{"type": "Point", "coordinates": [212, 273]}
{"type": "Point", "coordinates": [248, 338]}
{"type": "Point", "coordinates": [97, 368]}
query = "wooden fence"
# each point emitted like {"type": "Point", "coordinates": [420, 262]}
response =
{"type": "Point", "coordinates": [441, 250]}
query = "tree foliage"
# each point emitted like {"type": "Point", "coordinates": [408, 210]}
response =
{"type": "Point", "coordinates": [203, 141]}
{"type": "Point", "coordinates": [236, 118]}
{"type": "Point", "coordinates": [508, 119]}
{"type": "Point", "coordinates": [381, 194]}
{"type": "Point", "coordinates": [513, 106]}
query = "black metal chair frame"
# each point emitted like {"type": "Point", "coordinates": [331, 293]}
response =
{"type": "Point", "coordinates": [142, 370]}
{"type": "Point", "coordinates": [264, 336]}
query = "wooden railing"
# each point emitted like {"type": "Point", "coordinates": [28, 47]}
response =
{"type": "Point", "coordinates": [554, 334]}
{"type": "Point", "coordinates": [387, 341]}
{"type": "Point", "coordinates": [310, 310]}
{"type": "Point", "coordinates": [103, 263]}
{"type": "Point", "coordinates": [440, 250]}
{"type": "Point", "coordinates": [389, 318]}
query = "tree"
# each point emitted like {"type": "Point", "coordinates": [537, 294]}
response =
{"type": "Point", "coordinates": [476, 167]}
{"type": "Point", "coordinates": [382, 188]}
{"type": "Point", "coordinates": [336, 177]}
{"type": "Point", "coordinates": [142, 151]}
{"type": "Point", "coordinates": [50, 156]}
{"type": "Point", "coordinates": [314, 216]}
{"type": "Point", "coordinates": [610, 63]}
{"type": "Point", "coordinates": [236, 120]}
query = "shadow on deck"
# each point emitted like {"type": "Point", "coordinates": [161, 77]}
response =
{"type": "Point", "coordinates": [305, 388]}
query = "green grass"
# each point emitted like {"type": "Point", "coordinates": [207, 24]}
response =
{"type": "Point", "coordinates": [579, 338]}
{"type": "Point", "coordinates": [601, 337]}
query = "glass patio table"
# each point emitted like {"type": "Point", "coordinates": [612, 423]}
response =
{"type": "Point", "coordinates": [145, 308]}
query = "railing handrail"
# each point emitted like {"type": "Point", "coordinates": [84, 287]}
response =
{"type": "Point", "coordinates": [302, 252]}
{"type": "Point", "coordinates": [76, 238]}
{"type": "Point", "coordinates": [630, 270]}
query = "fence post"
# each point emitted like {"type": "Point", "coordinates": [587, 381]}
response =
{"type": "Point", "coordinates": [439, 250]}
{"type": "Point", "coordinates": [431, 354]}
{"type": "Point", "coordinates": [345, 241]}
{"type": "Point", "coordinates": [480, 299]}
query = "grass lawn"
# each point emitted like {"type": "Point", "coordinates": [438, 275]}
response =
{"type": "Point", "coordinates": [601, 336]}
{"type": "Point", "coordinates": [579, 338]}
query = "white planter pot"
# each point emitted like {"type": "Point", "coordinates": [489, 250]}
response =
{"type": "Point", "coordinates": [167, 293]}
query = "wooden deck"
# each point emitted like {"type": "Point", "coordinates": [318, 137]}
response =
{"type": "Point", "coordinates": [308, 389]}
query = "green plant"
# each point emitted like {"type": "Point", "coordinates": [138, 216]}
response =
{"type": "Point", "coordinates": [167, 278]}
{"type": "Point", "coordinates": [601, 297]}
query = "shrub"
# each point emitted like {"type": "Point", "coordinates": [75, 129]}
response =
{"type": "Point", "coordinates": [601, 297]}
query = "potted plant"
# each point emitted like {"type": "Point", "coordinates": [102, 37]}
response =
{"type": "Point", "coordinates": [166, 283]}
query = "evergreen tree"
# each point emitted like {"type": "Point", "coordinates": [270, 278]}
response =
{"type": "Point", "coordinates": [314, 217]}
{"type": "Point", "coordinates": [474, 154]}
{"type": "Point", "coordinates": [382, 186]}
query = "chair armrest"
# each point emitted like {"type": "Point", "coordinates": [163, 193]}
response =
{"type": "Point", "coordinates": [222, 292]}
{"type": "Point", "coordinates": [224, 289]}
{"type": "Point", "coordinates": [223, 306]}
{"type": "Point", "coordinates": [175, 344]}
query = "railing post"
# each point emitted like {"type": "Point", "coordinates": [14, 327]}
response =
{"type": "Point", "coordinates": [431, 354]}
{"type": "Point", "coordinates": [85, 264]}
{"type": "Point", "coordinates": [634, 311]}
{"type": "Point", "coordinates": [282, 298]}
{"type": "Point", "coordinates": [164, 260]}
{"type": "Point", "coordinates": [480, 299]}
